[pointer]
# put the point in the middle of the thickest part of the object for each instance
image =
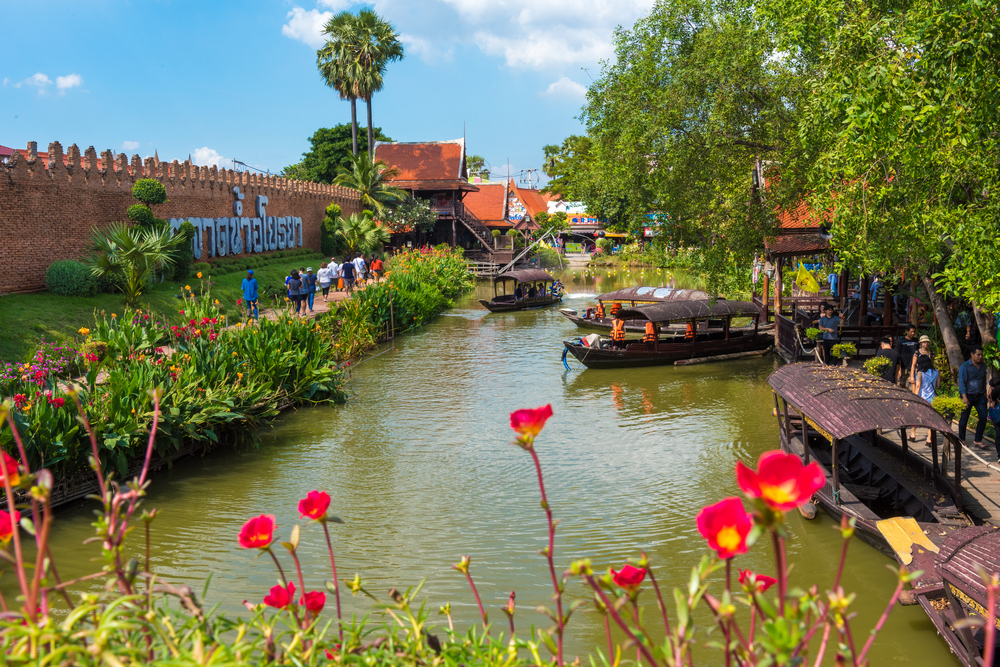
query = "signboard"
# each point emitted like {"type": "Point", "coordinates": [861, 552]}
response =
{"type": "Point", "coordinates": [574, 247]}
{"type": "Point", "coordinates": [583, 220]}
{"type": "Point", "coordinates": [515, 209]}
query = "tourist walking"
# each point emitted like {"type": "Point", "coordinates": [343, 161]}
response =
{"type": "Point", "coordinates": [360, 268]}
{"type": "Point", "coordinates": [347, 271]}
{"type": "Point", "coordinates": [309, 288]}
{"type": "Point", "coordinates": [892, 371]}
{"type": "Point", "coordinates": [376, 267]}
{"type": "Point", "coordinates": [250, 295]}
{"type": "Point", "coordinates": [972, 387]}
{"type": "Point", "coordinates": [295, 290]}
{"type": "Point", "coordinates": [925, 386]}
{"type": "Point", "coordinates": [907, 348]}
{"type": "Point", "coordinates": [336, 276]}
{"type": "Point", "coordinates": [923, 352]}
{"type": "Point", "coordinates": [325, 277]}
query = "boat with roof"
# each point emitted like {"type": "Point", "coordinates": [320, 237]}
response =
{"type": "Point", "coordinates": [523, 289]}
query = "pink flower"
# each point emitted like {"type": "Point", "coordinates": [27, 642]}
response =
{"type": "Point", "coordinates": [529, 423]}
{"type": "Point", "coordinates": [762, 581]}
{"type": "Point", "coordinates": [315, 505]}
{"type": "Point", "coordinates": [314, 601]}
{"type": "Point", "coordinates": [781, 480]}
{"type": "Point", "coordinates": [280, 597]}
{"type": "Point", "coordinates": [725, 525]}
{"type": "Point", "coordinates": [258, 532]}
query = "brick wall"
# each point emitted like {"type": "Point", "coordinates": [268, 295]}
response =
{"type": "Point", "coordinates": [49, 207]}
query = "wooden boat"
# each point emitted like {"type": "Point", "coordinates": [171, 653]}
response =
{"type": "Point", "coordinates": [835, 416]}
{"type": "Point", "coordinates": [711, 335]}
{"type": "Point", "coordinates": [522, 280]}
{"type": "Point", "coordinates": [631, 297]}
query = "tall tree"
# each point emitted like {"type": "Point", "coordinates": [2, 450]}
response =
{"type": "Point", "coordinates": [371, 181]}
{"type": "Point", "coordinates": [476, 166]}
{"type": "Point", "coordinates": [330, 150]}
{"type": "Point", "coordinates": [567, 165]}
{"type": "Point", "coordinates": [337, 65]}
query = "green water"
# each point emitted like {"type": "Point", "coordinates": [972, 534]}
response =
{"type": "Point", "coordinates": [420, 466]}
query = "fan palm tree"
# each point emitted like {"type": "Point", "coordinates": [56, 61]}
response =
{"type": "Point", "coordinates": [337, 66]}
{"type": "Point", "coordinates": [132, 254]}
{"type": "Point", "coordinates": [354, 58]}
{"type": "Point", "coordinates": [371, 181]}
{"type": "Point", "coordinates": [360, 233]}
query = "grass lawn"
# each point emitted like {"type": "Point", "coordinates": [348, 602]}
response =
{"type": "Point", "coordinates": [26, 318]}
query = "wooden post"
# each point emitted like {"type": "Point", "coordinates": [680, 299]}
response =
{"type": "Point", "coordinates": [863, 299]}
{"type": "Point", "coordinates": [805, 438]}
{"type": "Point", "coordinates": [777, 288]}
{"type": "Point", "coordinates": [934, 454]}
{"type": "Point", "coordinates": [454, 234]}
{"type": "Point", "coordinates": [957, 446]}
{"type": "Point", "coordinates": [765, 288]}
{"type": "Point", "coordinates": [392, 321]}
{"type": "Point", "coordinates": [725, 327]}
{"type": "Point", "coordinates": [845, 277]}
{"type": "Point", "coordinates": [836, 472]}
{"type": "Point", "coordinates": [788, 426]}
{"type": "Point", "coordinates": [887, 310]}
{"type": "Point", "coordinates": [903, 440]}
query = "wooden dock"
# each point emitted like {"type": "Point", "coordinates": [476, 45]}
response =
{"type": "Point", "coordinates": [980, 474]}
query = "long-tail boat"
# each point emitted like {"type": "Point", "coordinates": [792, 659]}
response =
{"type": "Point", "coordinates": [709, 333]}
{"type": "Point", "coordinates": [836, 416]}
{"type": "Point", "coordinates": [630, 297]}
{"type": "Point", "coordinates": [522, 282]}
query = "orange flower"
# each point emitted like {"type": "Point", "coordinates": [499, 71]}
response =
{"type": "Point", "coordinates": [725, 525]}
{"type": "Point", "coordinates": [781, 480]}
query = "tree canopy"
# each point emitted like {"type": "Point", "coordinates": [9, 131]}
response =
{"type": "Point", "coordinates": [329, 152]}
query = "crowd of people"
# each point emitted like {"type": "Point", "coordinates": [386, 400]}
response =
{"type": "Point", "coordinates": [302, 284]}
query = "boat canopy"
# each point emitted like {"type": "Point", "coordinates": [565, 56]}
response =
{"type": "Point", "coordinates": [525, 276]}
{"type": "Point", "coordinates": [655, 295]}
{"type": "Point", "coordinates": [965, 554]}
{"type": "Point", "coordinates": [677, 311]}
{"type": "Point", "coordinates": [846, 401]}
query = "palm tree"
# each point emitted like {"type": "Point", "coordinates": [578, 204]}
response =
{"type": "Point", "coordinates": [376, 45]}
{"type": "Point", "coordinates": [132, 254]}
{"type": "Point", "coordinates": [354, 59]}
{"type": "Point", "coordinates": [338, 67]}
{"type": "Point", "coordinates": [371, 181]}
{"type": "Point", "coordinates": [360, 233]}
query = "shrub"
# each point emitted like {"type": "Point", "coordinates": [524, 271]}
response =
{"type": "Point", "coordinates": [201, 267]}
{"type": "Point", "coordinates": [606, 245]}
{"type": "Point", "coordinates": [876, 365]}
{"type": "Point", "coordinates": [547, 258]}
{"type": "Point", "coordinates": [71, 278]}
{"type": "Point", "coordinates": [149, 191]}
{"type": "Point", "coordinates": [141, 215]}
{"type": "Point", "coordinates": [949, 407]}
{"type": "Point", "coordinates": [812, 333]}
{"type": "Point", "coordinates": [495, 233]}
{"type": "Point", "coordinates": [328, 230]}
{"type": "Point", "coordinates": [841, 350]}
{"type": "Point", "coordinates": [183, 255]}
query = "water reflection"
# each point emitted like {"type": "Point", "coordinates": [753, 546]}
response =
{"type": "Point", "coordinates": [420, 467]}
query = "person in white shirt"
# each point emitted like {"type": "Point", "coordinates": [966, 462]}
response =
{"type": "Point", "coordinates": [359, 268]}
{"type": "Point", "coordinates": [335, 273]}
{"type": "Point", "coordinates": [324, 278]}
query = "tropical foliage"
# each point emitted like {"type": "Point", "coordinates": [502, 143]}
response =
{"type": "Point", "coordinates": [330, 150]}
{"type": "Point", "coordinates": [359, 233]}
{"type": "Point", "coordinates": [411, 213]}
{"type": "Point", "coordinates": [371, 179]}
{"type": "Point", "coordinates": [130, 256]}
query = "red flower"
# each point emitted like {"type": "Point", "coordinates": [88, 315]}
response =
{"type": "Point", "coordinates": [8, 524]}
{"type": "Point", "coordinates": [315, 505]}
{"type": "Point", "coordinates": [20, 400]}
{"type": "Point", "coordinates": [529, 423]}
{"type": "Point", "coordinates": [629, 577]}
{"type": "Point", "coordinates": [314, 601]}
{"type": "Point", "coordinates": [182, 312]}
{"type": "Point", "coordinates": [763, 582]}
{"type": "Point", "coordinates": [725, 525]}
{"type": "Point", "coordinates": [258, 532]}
{"type": "Point", "coordinates": [12, 469]}
{"type": "Point", "coordinates": [58, 402]}
{"type": "Point", "coordinates": [280, 597]}
{"type": "Point", "coordinates": [781, 480]}
{"type": "Point", "coordinates": [332, 656]}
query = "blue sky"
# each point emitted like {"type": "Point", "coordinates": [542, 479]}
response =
{"type": "Point", "coordinates": [220, 79]}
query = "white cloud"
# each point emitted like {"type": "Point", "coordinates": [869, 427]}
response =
{"type": "Point", "coordinates": [5, 82]}
{"type": "Point", "coordinates": [205, 156]}
{"type": "Point", "coordinates": [130, 145]}
{"type": "Point", "coordinates": [68, 81]}
{"type": "Point", "coordinates": [427, 50]}
{"type": "Point", "coordinates": [306, 26]}
{"type": "Point", "coordinates": [38, 80]}
{"type": "Point", "coordinates": [335, 5]}
{"type": "Point", "coordinates": [566, 88]}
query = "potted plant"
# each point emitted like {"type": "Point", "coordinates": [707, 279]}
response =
{"type": "Point", "coordinates": [844, 351]}
{"type": "Point", "coordinates": [812, 333]}
{"type": "Point", "coordinates": [876, 365]}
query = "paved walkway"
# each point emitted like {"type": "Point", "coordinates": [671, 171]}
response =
{"type": "Point", "coordinates": [980, 474]}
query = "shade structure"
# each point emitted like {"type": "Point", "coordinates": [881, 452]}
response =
{"type": "Point", "coordinates": [674, 311]}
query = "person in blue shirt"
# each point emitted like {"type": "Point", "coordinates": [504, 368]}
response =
{"type": "Point", "coordinates": [250, 295]}
{"type": "Point", "coordinates": [309, 288]}
{"type": "Point", "coordinates": [832, 279]}
{"type": "Point", "coordinates": [829, 325]}
{"type": "Point", "coordinates": [347, 271]}
{"type": "Point", "coordinates": [972, 387]}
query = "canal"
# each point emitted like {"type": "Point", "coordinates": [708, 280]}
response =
{"type": "Point", "coordinates": [421, 468]}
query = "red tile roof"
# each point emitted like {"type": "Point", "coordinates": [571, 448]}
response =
{"type": "Point", "coordinates": [797, 244]}
{"type": "Point", "coordinates": [534, 201]}
{"type": "Point", "coordinates": [489, 204]}
{"type": "Point", "coordinates": [427, 165]}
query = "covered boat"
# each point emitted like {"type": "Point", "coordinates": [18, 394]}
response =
{"type": "Point", "coordinates": [629, 297]}
{"type": "Point", "coordinates": [707, 332]}
{"type": "Point", "coordinates": [838, 417]}
{"type": "Point", "coordinates": [523, 288]}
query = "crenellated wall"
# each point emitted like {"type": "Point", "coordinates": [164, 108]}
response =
{"type": "Point", "coordinates": [48, 209]}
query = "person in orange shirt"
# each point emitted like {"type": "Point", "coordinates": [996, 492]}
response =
{"type": "Point", "coordinates": [600, 310]}
{"type": "Point", "coordinates": [651, 336]}
{"type": "Point", "coordinates": [618, 334]}
{"type": "Point", "coordinates": [376, 268]}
